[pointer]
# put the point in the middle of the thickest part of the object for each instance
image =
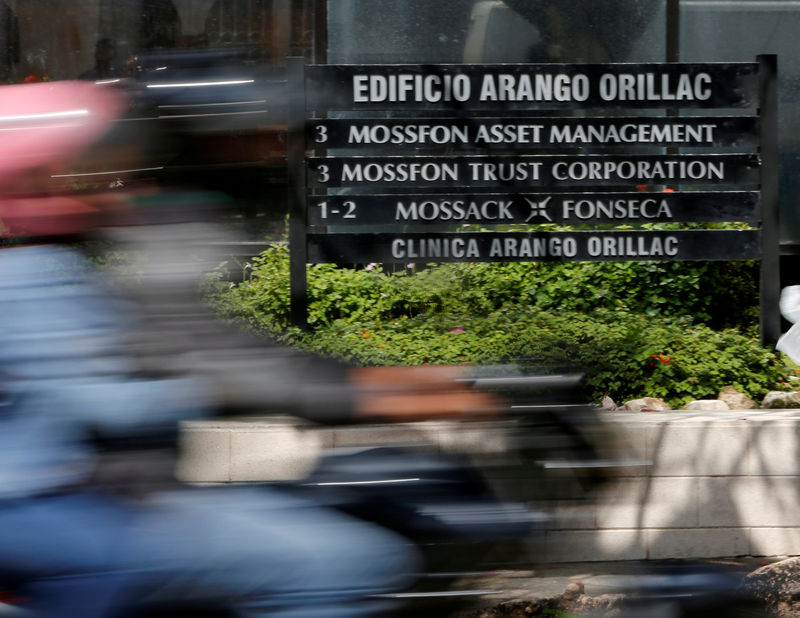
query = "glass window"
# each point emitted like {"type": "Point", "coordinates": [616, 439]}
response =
{"type": "Point", "coordinates": [111, 39]}
{"type": "Point", "coordinates": [228, 137]}
{"type": "Point", "coordinates": [739, 30]}
{"type": "Point", "coordinates": [493, 31]}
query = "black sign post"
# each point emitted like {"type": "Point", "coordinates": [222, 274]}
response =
{"type": "Point", "coordinates": [297, 193]}
{"type": "Point", "coordinates": [770, 320]}
{"type": "Point", "coordinates": [424, 150]}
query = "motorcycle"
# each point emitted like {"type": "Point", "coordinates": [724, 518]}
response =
{"type": "Point", "coordinates": [466, 510]}
{"type": "Point", "coordinates": [473, 510]}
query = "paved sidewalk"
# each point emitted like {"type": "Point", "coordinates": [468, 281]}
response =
{"type": "Point", "coordinates": [547, 581]}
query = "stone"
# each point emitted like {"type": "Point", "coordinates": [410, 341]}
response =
{"type": "Point", "coordinates": [781, 400]}
{"type": "Point", "coordinates": [777, 585]}
{"type": "Point", "coordinates": [646, 404]}
{"type": "Point", "coordinates": [571, 594]}
{"type": "Point", "coordinates": [605, 605]}
{"type": "Point", "coordinates": [736, 400]}
{"type": "Point", "coordinates": [608, 404]}
{"type": "Point", "coordinates": [571, 602]}
{"type": "Point", "coordinates": [706, 404]}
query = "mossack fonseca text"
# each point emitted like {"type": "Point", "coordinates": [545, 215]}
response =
{"type": "Point", "coordinates": [534, 87]}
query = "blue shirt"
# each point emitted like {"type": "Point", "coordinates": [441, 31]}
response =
{"type": "Point", "coordinates": [65, 373]}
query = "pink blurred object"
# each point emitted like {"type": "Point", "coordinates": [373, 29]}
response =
{"type": "Point", "coordinates": [42, 123]}
{"type": "Point", "coordinates": [46, 216]}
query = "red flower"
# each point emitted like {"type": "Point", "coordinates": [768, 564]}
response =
{"type": "Point", "coordinates": [31, 79]}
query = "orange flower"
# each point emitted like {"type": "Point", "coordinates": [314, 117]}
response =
{"type": "Point", "coordinates": [661, 357]}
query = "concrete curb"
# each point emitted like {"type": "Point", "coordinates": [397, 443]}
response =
{"type": "Point", "coordinates": [719, 484]}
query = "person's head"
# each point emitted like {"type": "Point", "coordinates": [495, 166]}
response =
{"type": "Point", "coordinates": [105, 52]}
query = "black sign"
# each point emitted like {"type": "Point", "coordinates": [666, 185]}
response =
{"type": "Point", "coordinates": [535, 133]}
{"type": "Point", "coordinates": [530, 86]}
{"type": "Point", "coordinates": [428, 149]}
{"type": "Point", "coordinates": [534, 246]}
{"type": "Point", "coordinates": [532, 170]}
{"type": "Point", "coordinates": [428, 209]}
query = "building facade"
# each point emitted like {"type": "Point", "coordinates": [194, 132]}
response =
{"type": "Point", "coordinates": [68, 39]}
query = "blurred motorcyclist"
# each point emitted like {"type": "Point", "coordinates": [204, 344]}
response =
{"type": "Point", "coordinates": [94, 367]}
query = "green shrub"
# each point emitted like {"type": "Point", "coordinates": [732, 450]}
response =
{"type": "Point", "coordinates": [719, 294]}
{"type": "Point", "coordinates": [636, 329]}
{"type": "Point", "coordinates": [624, 356]}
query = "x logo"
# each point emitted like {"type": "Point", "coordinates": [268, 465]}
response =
{"type": "Point", "coordinates": [538, 209]}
